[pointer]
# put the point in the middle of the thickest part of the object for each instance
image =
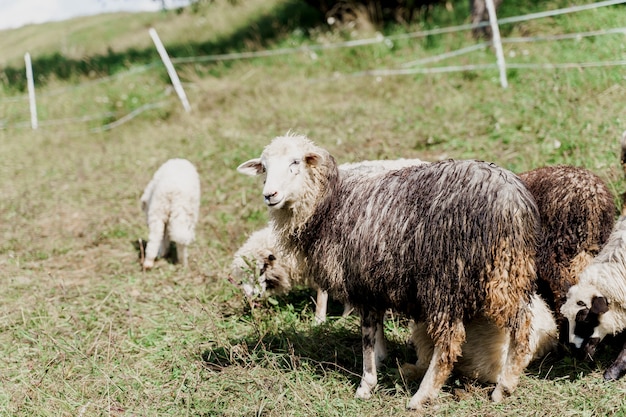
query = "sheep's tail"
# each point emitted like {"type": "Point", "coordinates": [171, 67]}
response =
{"type": "Point", "coordinates": [623, 161]}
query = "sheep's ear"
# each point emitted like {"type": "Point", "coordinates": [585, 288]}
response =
{"type": "Point", "coordinates": [599, 305]}
{"type": "Point", "coordinates": [252, 167]}
{"type": "Point", "coordinates": [313, 158]}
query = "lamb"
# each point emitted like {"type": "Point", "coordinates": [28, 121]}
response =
{"type": "Point", "coordinates": [596, 305]}
{"type": "Point", "coordinates": [482, 351]}
{"type": "Point", "coordinates": [261, 268]}
{"type": "Point", "coordinates": [577, 212]}
{"type": "Point", "coordinates": [171, 202]}
{"type": "Point", "coordinates": [444, 243]}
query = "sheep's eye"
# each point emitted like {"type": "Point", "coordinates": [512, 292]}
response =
{"type": "Point", "coordinates": [294, 165]}
{"type": "Point", "coordinates": [581, 303]}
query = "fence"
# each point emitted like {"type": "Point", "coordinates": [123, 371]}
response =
{"type": "Point", "coordinates": [408, 68]}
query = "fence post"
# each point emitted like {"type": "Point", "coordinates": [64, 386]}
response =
{"type": "Point", "coordinates": [31, 91]}
{"type": "Point", "coordinates": [178, 87]}
{"type": "Point", "coordinates": [497, 42]}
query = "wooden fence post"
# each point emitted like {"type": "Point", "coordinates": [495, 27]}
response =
{"type": "Point", "coordinates": [31, 91]}
{"type": "Point", "coordinates": [178, 87]}
{"type": "Point", "coordinates": [497, 42]}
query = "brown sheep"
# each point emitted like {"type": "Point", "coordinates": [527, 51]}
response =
{"type": "Point", "coordinates": [577, 213]}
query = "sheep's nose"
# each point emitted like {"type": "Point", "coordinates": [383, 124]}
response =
{"type": "Point", "coordinates": [268, 196]}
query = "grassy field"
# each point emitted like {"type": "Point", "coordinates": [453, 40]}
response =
{"type": "Point", "coordinates": [84, 332]}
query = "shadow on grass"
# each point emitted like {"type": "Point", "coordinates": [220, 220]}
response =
{"type": "Point", "coordinates": [335, 347]}
{"type": "Point", "coordinates": [571, 365]}
{"type": "Point", "coordinates": [332, 347]}
{"type": "Point", "coordinates": [140, 248]}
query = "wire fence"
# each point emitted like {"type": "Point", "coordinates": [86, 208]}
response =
{"type": "Point", "coordinates": [115, 114]}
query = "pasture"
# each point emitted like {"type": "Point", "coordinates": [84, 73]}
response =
{"type": "Point", "coordinates": [85, 332]}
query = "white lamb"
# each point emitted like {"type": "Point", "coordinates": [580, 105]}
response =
{"type": "Point", "coordinates": [171, 202]}
{"type": "Point", "coordinates": [261, 268]}
{"type": "Point", "coordinates": [482, 351]}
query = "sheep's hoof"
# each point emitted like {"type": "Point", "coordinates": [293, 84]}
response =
{"type": "Point", "coordinates": [363, 393]}
{"type": "Point", "coordinates": [613, 373]}
{"type": "Point", "coordinates": [414, 407]}
{"type": "Point", "coordinates": [148, 265]}
{"type": "Point", "coordinates": [420, 399]}
{"type": "Point", "coordinates": [497, 395]}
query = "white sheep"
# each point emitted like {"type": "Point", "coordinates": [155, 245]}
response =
{"type": "Point", "coordinates": [261, 268]}
{"type": "Point", "coordinates": [482, 351]}
{"type": "Point", "coordinates": [444, 243]}
{"type": "Point", "coordinates": [596, 306]}
{"type": "Point", "coordinates": [171, 202]}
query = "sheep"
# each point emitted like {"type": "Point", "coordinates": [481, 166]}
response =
{"type": "Point", "coordinates": [596, 305]}
{"type": "Point", "coordinates": [444, 243]}
{"type": "Point", "coordinates": [261, 268]}
{"type": "Point", "coordinates": [577, 212]}
{"type": "Point", "coordinates": [171, 202]}
{"type": "Point", "coordinates": [482, 358]}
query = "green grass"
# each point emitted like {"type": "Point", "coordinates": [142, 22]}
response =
{"type": "Point", "coordinates": [85, 332]}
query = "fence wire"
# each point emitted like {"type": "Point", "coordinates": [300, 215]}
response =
{"type": "Point", "coordinates": [409, 68]}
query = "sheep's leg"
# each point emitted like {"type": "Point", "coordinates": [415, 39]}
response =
{"type": "Point", "coordinates": [424, 348]}
{"type": "Point", "coordinates": [155, 238]}
{"type": "Point", "coordinates": [380, 347]}
{"type": "Point", "coordinates": [617, 368]}
{"type": "Point", "coordinates": [371, 324]}
{"type": "Point", "coordinates": [347, 310]}
{"type": "Point", "coordinates": [181, 254]}
{"type": "Point", "coordinates": [165, 244]}
{"type": "Point", "coordinates": [321, 304]}
{"type": "Point", "coordinates": [445, 353]}
{"type": "Point", "coordinates": [516, 356]}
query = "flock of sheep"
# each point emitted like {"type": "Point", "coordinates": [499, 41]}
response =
{"type": "Point", "coordinates": [494, 269]}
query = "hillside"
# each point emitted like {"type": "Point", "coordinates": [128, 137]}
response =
{"type": "Point", "coordinates": [121, 39]}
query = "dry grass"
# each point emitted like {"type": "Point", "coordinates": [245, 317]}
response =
{"type": "Point", "coordinates": [85, 332]}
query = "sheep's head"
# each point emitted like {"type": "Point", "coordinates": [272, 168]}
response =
{"type": "Point", "coordinates": [587, 313]}
{"type": "Point", "coordinates": [274, 277]}
{"type": "Point", "coordinates": [265, 275]}
{"type": "Point", "coordinates": [285, 164]}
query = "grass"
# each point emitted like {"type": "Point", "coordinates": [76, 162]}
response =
{"type": "Point", "coordinates": [85, 332]}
